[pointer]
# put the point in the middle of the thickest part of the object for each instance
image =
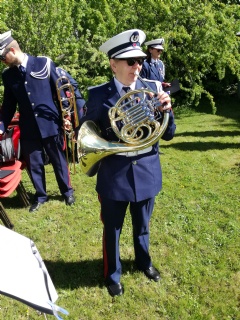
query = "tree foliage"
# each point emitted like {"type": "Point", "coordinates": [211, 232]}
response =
{"type": "Point", "coordinates": [201, 47]}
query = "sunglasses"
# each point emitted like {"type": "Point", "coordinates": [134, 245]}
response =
{"type": "Point", "coordinates": [131, 61]}
{"type": "Point", "coordinates": [158, 50]}
{"type": "Point", "coordinates": [3, 56]}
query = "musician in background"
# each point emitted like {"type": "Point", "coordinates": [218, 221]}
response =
{"type": "Point", "coordinates": [153, 67]}
{"type": "Point", "coordinates": [27, 84]}
{"type": "Point", "coordinates": [126, 179]}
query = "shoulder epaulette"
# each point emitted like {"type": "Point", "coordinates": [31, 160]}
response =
{"type": "Point", "coordinates": [45, 72]}
{"type": "Point", "coordinates": [5, 69]}
{"type": "Point", "coordinates": [93, 87]}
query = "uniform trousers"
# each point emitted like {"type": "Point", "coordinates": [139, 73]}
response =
{"type": "Point", "coordinates": [33, 153]}
{"type": "Point", "coordinates": [112, 215]}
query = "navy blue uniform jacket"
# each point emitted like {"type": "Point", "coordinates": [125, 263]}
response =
{"type": "Point", "coordinates": [39, 115]}
{"type": "Point", "coordinates": [151, 72]}
{"type": "Point", "coordinates": [119, 177]}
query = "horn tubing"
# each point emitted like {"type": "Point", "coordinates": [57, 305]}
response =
{"type": "Point", "coordinates": [92, 148]}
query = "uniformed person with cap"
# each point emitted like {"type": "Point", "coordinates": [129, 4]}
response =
{"type": "Point", "coordinates": [28, 85]}
{"type": "Point", "coordinates": [153, 67]}
{"type": "Point", "coordinates": [126, 179]}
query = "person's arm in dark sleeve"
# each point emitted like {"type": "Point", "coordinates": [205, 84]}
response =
{"type": "Point", "coordinates": [8, 108]}
{"type": "Point", "coordinates": [170, 131]}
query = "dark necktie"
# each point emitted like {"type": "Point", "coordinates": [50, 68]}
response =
{"type": "Point", "coordinates": [126, 89]}
{"type": "Point", "coordinates": [158, 67]}
{"type": "Point", "coordinates": [22, 70]}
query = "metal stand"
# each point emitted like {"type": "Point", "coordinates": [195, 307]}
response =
{"type": "Point", "coordinates": [23, 194]}
{"type": "Point", "coordinates": [25, 200]}
{"type": "Point", "coordinates": [4, 217]}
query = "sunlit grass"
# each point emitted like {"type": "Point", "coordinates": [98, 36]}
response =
{"type": "Point", "coordinates": [194, 234]}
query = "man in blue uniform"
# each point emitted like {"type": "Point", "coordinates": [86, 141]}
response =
{"type": "Point", "coordinates": [126, 179]}
{"type": "Point", "coordinates": [153, 67]}
{"type": "Point", "coordinates": [29, 85]}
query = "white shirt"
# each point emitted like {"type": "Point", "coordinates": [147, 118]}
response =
{"type": "Point", "coordinates": [119, 87]}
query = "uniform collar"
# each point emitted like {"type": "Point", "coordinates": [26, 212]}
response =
{"type": "Point", "coordinates": [119, 85]}
{"type": "Point", "coordinates": [24, 62]}
{"type": "Point", "coordinates": [153, 61]}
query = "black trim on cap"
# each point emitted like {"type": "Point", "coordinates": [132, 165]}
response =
{"type": "Point", "coordinates": [135, 45]}
{"type": "Point", "coordinates": [6, 42]}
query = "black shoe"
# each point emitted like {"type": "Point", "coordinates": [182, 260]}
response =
{"type": "Point", "coordinates": [35, 206]}
{"type": "Point", "coordinates": [152, 274]}
{"type": "Point", "coordinates": [115, 289]}
{"type": "Point", "coordinates": [69, 200]}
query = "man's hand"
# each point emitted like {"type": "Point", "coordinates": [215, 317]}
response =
{"type": "Point", "coordinates": [165, 101]}
{"type": "Point", "coordinates": [67, 124]}
{"type": "Point", "coordinates": [166, 84]}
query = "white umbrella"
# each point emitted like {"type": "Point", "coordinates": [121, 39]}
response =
{"type": "Point", "coordinates": [23, 275]}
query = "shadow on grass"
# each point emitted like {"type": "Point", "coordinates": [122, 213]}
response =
{"type": "Point", "coordinates": [201, 146]}
{"type": "Point", "coordinates": [227, 106]}
{"type": "Point", "coordinates": [86, 273]}
{"type": "Point", "coordinates": [204, 134]}
{"type": "Point", "coordinates": [14, 200]}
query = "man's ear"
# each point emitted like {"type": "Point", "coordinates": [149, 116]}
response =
{"type": "Point", "coordinates": [113, 65]}
{"type": "Point", "coordinates": [12, 50]}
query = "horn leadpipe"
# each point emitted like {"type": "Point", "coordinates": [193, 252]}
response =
{"type": "Point", "coordinates": [148, 87]}
{"type": "Point", "coordinates": [145, 83]}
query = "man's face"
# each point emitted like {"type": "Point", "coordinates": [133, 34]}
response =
{"type": "Point", "coordinates": [9, 58]}
{"type": "Point", "coordinates": [125, 69]}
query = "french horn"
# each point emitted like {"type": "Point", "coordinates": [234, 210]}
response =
{"type": "Point", "coordinates": [134, 120]}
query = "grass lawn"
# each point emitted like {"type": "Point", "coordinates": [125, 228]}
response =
{"type": "Point", "coordinates": [194, 233]}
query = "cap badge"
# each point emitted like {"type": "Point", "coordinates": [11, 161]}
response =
{"type": "Point", "coordinates": [134, 38]}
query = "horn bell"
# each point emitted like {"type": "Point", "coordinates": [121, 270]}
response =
{"type": "Point", "coordinates": [92, 148]}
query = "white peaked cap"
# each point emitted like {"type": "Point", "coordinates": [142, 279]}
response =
{"type": "Point", "coordinates": [125, 45]}
{"type": "Point", "coordinates": [157, 43]}
{"type": "Point", "coordinates": [5, 39]}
